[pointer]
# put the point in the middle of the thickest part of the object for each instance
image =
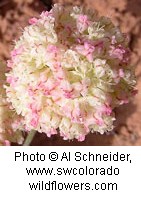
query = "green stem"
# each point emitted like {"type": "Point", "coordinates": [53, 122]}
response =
{"type": "Point", "coordinates": [29, 138]}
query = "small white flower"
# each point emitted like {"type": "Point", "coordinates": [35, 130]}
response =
{"type": "Point", "coordinates": [10, 122]}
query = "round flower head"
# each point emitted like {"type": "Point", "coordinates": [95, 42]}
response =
{"type": "Point", "coordinates": [9, 121]}
{"type": "Point", "coordinates": [68, 71]}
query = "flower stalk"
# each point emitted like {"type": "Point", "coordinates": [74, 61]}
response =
{"type": "Point", "coordinates": [29, 138]}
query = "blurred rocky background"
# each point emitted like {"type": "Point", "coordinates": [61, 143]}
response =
{"type": "Point", "coordinates": [14, 15]}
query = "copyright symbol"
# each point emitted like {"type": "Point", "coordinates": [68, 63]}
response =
{"type": "Point", "coordinates": [53, 156]}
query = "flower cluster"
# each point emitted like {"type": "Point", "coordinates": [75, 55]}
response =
{"type": "Point", "coordinates": [9, 121]}
{"type": "Point", "coordinates": [68, 71]}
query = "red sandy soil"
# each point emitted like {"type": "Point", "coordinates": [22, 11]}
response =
{"type": "Point", "coordinates": [14, 15]}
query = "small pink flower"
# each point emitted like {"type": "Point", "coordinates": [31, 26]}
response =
{"type": "Point", "coordinates": [68, 29]}
{"type": "Point", "coordinates": [124, 101]}
{"type": "Point", "coordinates": [82, 22]}
{"type": "Point", "coordinates": [99, 121]}
{"type": "Point", "coordinates": [66, 89]}
{"type": "Point", "coordinates": [6, 143]}
{"type": "Point", "coordinates": [68, 94]}
{"type": "Point", "coordinates": [77, 114]}
{"type": "Point", "coordinates": [105, 109]}
{"type": "Point", "coordinates": [67, 110]}
{"type": "Point", "coordinates": [134, 92]}
{"type": "Point", "coordinates": [113, 41]}
{"type": "Point", "coordinates": [52, 49]}
{"type": "Point", "coordinates": [12, 80]}
{"type": "Point", "coordinates": [51, 132]}
{"type": "Point", "coordinates": [120, 53]}
{"type": "Point", "coordinates": [86, 50]}
{"type": "Point", "coordinates": [121, 73]}
{"type": "Point", "coordinates": [33, 107]}
{"type": "Point", "coordinates": [85, 86]}
{"type": "Point", "coordinates": [34, 120]}
{"type": "Point", "coordinates": [9, 63]}
{"type": "Point", "coordinates": [58, 71]}
{"type": "Point", "coordinates": [64, 135]}
{"type": "Point", "coordinates": [17, 51]}
{"type": "Point", "coordinates": [81, 138]}
{"type": "Point", "coordinates": [46, 14]}
{"type": "Point", "coordinates": [31, 92]}
{"type": "Point", "coordinates": [33, 21]}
